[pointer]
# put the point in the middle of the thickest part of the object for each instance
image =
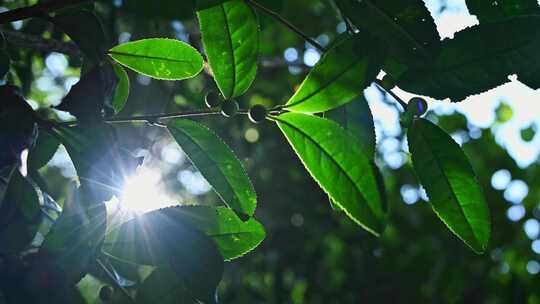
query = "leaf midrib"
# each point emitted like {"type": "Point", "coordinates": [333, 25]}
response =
{"type": "Point", "coordinates": [149, 57]}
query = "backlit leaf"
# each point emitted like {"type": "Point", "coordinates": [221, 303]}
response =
{"type": "Point", "coordinates": [356, 118]}
{"type": "Point", "coordinates": [217, 163]}
{"type": "Point", "coordinates": [335, 159]}
{"type": "Point", "coordinates": [343, 73]}
{"type": "Point", "coordinates": [233, 236]}
{"type": "Point", "coordinates": [450, 182]}
{"type": "Point", "coordinates": [160, 58]}
{"type": "Point", "coordinates": [121, 92]}
{"type": "Point", "coordinates": [230, 33]}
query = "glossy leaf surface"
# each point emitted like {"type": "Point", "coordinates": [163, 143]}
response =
{"type": "Point", "coordinates": [159, 58]}
{"type": "Point", "coordinates": [230, 33]}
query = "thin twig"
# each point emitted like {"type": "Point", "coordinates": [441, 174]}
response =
{"type": "Point", "coordinates": [348, 24]}
{"type": "Point", "coordinates": [152, 118]}
{"type": "Point", "coordinates": [285, 22]}
{"type": "Point", "coordinates": [37, 10]}
{"type": "Point", "coordinates": [24, 40]}
{"type": "Point", "coordinates": [399, 100]}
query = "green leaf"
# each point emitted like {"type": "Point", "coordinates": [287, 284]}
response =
{"type": "Point", "coordinates": [230, 34]}
{"type": "Point", "coordinates": [217, 164]}
{"type": "Point", "coordinates": [356, 118]}
{"type": "Point", "coordinates": [234, 237]}
{"type": "Point", "coordinates": [450, 183]}
{"type": "Point", "coordinates": [406, 26]}
{"type": "Point", "coordinates": [343, 73]}
{"type": "Point", "coordinates": [160, 240]}
{"type": "Point", "coordinates": [19, 215]}
{"type": "Point", "coordinates": [160, 58]}
{"type": "Point", "coordinates": [488, 11]}
{"type": "Point", "coordinates": [44, 149]}
{"type": "Point", "coordinates": [480, 58]}
{"type": "Point", "coordinates": [121, 92]}
{"type": "Point", "coordinates": [336, 161]}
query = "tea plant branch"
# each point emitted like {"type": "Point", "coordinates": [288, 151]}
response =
{"type": "Point", "coordinates": [379, 83]}
{"type": "Point", "coordinates": [288, 24]}
{"type": "Point", "coordinates": [37, 10]}
{"type": "Point", "coordinates": [348, 24]}
{"type": "Point", "coordinates": [24, 40]}
{"type": "Point", "coordinates": [153, 119]}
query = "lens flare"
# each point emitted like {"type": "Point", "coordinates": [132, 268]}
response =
{"type": "Point", "coordinates": [144, 192]}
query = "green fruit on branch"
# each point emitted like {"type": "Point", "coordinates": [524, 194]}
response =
{"type": "Point", "coordinates": [212, 100]}
{"type": "Point", "coordinates": [257, 113]}
{"type": "Point", "coordinates": [417, 106]}
{"type": "Point", "coordinates": [229, 108]}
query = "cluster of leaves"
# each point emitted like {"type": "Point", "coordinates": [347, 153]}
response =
{"type": "Point", "coordinates": [327, 122]}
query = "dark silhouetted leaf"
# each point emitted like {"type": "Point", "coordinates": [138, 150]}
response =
{"type": "Point", "coordinates": [492, 10]}
{"type": "Point", "coordinates": [44, 149]}
{"type": "Point", "coordinates": [481, 58]}
{"type": "Point", "coordinates": [19, 215]}
{"type": "Point", "coordinates": [4, 63]}
{"type": "Point", "coordinates": [87, 98]}
{"type": "Point", "coordinates": [336, 161]}
{"type": "Point", "coordinates": [86, 30]}
{"type": "Point", "coordinates": [406, 26]}
{"type": "Point", "coordinates": [217, 163]}
{"type": "Point", "coordinates": [160, 58]}
{"type": "Point", "coordinates": [17, 127]}
{"type": "Point", "coordinates": [158, 239]}
{"type": "Point", "coordinates": [164, 284]}
{"type": "Point", "coordinates": [343, 73]}
{"type": "Point", "coordinates": [73, 241]}
{"type": "Point", "coordinates": [450, 183]}
{"type": "Point", "coordinates": [230, 34]}
{"type": "Point", "coordinates": [163, 9]}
